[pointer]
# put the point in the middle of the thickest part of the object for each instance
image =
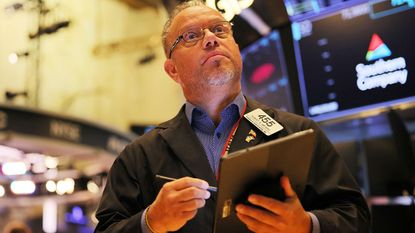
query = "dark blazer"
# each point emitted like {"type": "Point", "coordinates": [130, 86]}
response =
{"type": "Point", "coordinates": [172, 149]}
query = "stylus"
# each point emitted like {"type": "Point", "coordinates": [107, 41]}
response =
{"type": "Point", "coordinates": [210, 188]}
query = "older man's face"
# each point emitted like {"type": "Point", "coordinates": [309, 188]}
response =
{"type": "Point", "coordinates": [211, 61]}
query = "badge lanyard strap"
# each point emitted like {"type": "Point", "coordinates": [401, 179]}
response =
{"type": "Point", "coordinates": [228, 143]}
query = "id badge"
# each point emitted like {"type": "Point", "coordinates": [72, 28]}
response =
{"type": "Point", "coordinates": [263, 121]}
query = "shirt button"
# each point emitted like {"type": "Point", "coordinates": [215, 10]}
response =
{"type": "Point", "coordinates": [218, 135]}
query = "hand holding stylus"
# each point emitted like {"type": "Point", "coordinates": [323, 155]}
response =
{"type": "Point", "coordinates": [176, 203]}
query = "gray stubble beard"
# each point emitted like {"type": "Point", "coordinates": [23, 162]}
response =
{"type": "Point", "coordinates": [220, 78]}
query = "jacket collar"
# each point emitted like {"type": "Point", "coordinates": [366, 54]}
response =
{"type": "Point", "coordinates": [183, 141]}
{"type": "Point", "coordinates": [185, 145]}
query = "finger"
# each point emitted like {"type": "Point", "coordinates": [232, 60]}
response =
{"type": "Point", "coordinates": [188, 214]}
{"type": "Point", "coordinates": [285, 184]}
{"type": "Point", "coordinates": [258, 214]}
{"type": "Point", "coordinates": [191, 205]}
{"type": "Point", "coordinates": [190, 194]}
{"type": "Point", "coordinates": [187, 182]}
{"type": "Point", "coordinates": [253, 224]}
{"type": "Point", "coordinates": [270, 204]}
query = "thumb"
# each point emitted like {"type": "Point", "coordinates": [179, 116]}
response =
{"type": "Point", "coordinates": [285, 184]}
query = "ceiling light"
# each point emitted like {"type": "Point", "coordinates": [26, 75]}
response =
{"type": "Point", "coordinates": [51, 162]}
{"type": "Point", "coordinates": [51, 186]}
{"type": "Point", "coordinates": [92, 187]}
{"type": "Point", "coordinates": [14, 168]}
{"type": "Point", "coordinates": [2, 191]}
{"type": "Point", "coordinates": [65, 186]}
{"type": "Point", "coordinates": [14, 57]}
{"type": "Point", "coordinates": [8, 153]}
{"type": "Point", "coordinates": [229, 8]}
{"type": "Point", "coordinates": [21, 187]}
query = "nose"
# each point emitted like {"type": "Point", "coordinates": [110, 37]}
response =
{"type": "Point", "coordinates": [210, 39]}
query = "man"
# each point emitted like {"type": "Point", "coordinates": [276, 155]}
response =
{"type": "Point", "coordinates": [203, 58]}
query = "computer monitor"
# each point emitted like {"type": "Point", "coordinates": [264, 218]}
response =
{"type": "Point", "coordinates": [353, 57]}
{"type": "Point", "coordinates": [299, 10]}
{"type": "Point", "coordinates": [264, 75]}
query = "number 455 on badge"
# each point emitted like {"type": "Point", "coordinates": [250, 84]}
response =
{"type": "Point", "coordinates": [263, 121]}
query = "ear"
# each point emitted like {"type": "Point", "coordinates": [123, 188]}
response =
{"type": "Point", "coordinates": [171, 70]}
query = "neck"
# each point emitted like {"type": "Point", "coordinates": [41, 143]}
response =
{"type": "Point", "coordinates": [214, 100]}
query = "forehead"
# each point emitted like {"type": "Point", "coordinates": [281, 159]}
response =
{"type": "Point", "coordinates": [196, 15]}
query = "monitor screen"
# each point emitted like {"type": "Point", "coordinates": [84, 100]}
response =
{"type": "Point", "coordinates": [298, 10]}
{"type": "Point", "coordinates": [355, 59]}
{"type": "Point", "coordinates": [264, 75]}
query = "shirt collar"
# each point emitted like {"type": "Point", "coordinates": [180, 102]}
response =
{"type": "Point", "coordinates": [239, 101]}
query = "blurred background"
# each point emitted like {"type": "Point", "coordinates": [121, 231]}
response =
{"type": "Point", "coordinates": [81, 79]}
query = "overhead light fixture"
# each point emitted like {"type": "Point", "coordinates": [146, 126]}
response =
{"type": "Point", "coordinates": [14, 57]}
{"type": "Point", "coordinates": [23, 187]}
{"type": "Point", "coordinates": [51, 162]}
{"type": "Point", "coordinates": [255, 21]}
{"type": "Point", "coordinates": [14, 168]}
{"type": "Point", "coordinates": [229, 8]}
{"type": "Point", "coordinates": [2, 191]}
{"type": "Point", "coordinates": [92, 187]}
{"type": "Point", "coordinates": [51, 186]}
{"type": "Point", "coordinates": [65, 186]}
{"type": "Point", "coordinates": [9, 153]}
{"type": "Point", "coordinates": [39, 174]}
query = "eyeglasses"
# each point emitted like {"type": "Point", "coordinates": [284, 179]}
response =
{"type": "Point", "coordinates": [192, 35]}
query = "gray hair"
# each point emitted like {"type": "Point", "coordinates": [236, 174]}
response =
{"type": "Point", "coordinates": [176, 10]}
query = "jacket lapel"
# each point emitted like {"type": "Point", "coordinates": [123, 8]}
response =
{"type": "Point", "coordinates": [185, 145]}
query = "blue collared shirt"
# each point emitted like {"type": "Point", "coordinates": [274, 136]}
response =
{"type": "Point", "coordinates": [213, 138]}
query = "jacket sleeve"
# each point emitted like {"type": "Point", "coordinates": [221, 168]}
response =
{"type": "Point", "coordinates": [121, 205]}
{"type": "Point", "coordinates": [332, 193]}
